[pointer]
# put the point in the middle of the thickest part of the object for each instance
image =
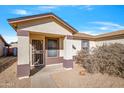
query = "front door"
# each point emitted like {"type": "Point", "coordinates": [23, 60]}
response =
{"type": "Point", "coordinates": [37, 53]}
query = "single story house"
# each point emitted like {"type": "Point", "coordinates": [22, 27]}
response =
{"type": "Point", "coordinates": [46, 39]}
{"type": "Point", "coordinates": [3, 44]}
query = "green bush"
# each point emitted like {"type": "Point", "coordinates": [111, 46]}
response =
{"type": "Point", "coordinates": [104, 59]}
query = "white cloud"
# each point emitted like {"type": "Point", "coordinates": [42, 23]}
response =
{"type": "Point", "coordinates": [48, 7]}
{"type": "Point", "coordinates": [21, 12]}
{"type": "Point", "coordinates": [90, 32]}
{"type": "Point", "coordinates": [103, 28]}
{"type": "Point", "coordinates": [99, 27]}
{"type": "Point", "coordinates": [87, 7]}
{"type": "Point", "coordinates": [10, 39]}
{"type": "Point", "coordinates": [107, 25]}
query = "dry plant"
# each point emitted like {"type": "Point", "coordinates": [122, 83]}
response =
{"type": "Point", "coordinates": [104, 59]}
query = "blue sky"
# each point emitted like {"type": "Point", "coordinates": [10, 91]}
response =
{"type": "Point", "coordinates": [85, 18]}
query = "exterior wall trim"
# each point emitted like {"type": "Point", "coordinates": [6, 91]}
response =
{"type": "Point", "coordinates": [72, 37]}
{"type": "Point", "coordinates": [14, 21]}
{"type": "Point", "coordinates": [23, 70]}
{"type": "Point", "coordinates": [67, 63]}
{"type": "Point", "coordinates": [22, 33]}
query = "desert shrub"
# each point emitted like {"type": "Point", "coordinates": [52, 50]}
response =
{"type": "Point", "coordinates": [104, 59]}
{"type": "Point", "coordinates": [82, 56]}
{"type": "Point", "coordinates": [83, 59]}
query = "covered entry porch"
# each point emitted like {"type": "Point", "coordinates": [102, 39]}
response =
{"type": "Point", "coordinates": [46, 49]}
{"type": "Point", "coordinates": [38, 50]}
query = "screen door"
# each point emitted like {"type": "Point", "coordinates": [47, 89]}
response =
{"type": "Point", "coordinates": [37, 52]}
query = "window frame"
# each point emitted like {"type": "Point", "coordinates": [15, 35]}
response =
{"type": "Point", "coordinates": [57, 48]}
{"type": "Point", "coordinates": [85, 42]}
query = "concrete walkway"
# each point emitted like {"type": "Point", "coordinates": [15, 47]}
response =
{"type": "Point", "coordinates": [43, 79]}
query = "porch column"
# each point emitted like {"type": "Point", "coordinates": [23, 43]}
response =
{"type": "Point", "coordinates": [68, 58]}
{"type": "Point", "coordinates": [23, 67]}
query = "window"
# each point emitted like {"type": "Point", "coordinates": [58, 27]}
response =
{"type": "Point", "coordinates": [85, 44]}
{"type": "Point", "coordinates": [52, 53]}
{"type": "Point", "coordinates": [52, 47]}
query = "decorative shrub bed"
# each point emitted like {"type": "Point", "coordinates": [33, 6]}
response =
{"type": "Point", "coordinates": [104, 59]}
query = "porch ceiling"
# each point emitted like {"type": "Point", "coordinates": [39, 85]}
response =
{"type": "Point", "coordinates": [46, 34]}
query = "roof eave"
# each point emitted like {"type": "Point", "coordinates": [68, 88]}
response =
{"type": "Point", "coordinates": [49, 15]}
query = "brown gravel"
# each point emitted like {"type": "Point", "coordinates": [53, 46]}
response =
{"type": "Point", "coordinates": [8, 78]}
{"type": "Point", "coordinates": [72, 79]}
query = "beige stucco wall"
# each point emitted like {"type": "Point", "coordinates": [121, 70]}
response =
{"type": "Point", "coordinates": [67, 48]}
{"type": "Point", "coordinates": [48, 27]}
{"type": "Point", "coordinates": [77, 45]}
{"type": "Point", "coordinates": [92, 44]}
{"type": "Point", "coordinates": [69, 51]}
{"type": "Point", "coordinates": [99, 43]}
{"type": "Point", "coordinates": [23, 50]}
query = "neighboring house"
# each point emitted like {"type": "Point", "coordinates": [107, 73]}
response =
{"type": "Point", "coordinates": [14, 44]}
{"type": "Point", "coordinates": [3, 44]}
{"type": "Point", "coordinates": [46, 39]}
{"type": "Point", "coordinates": [13, 49]}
